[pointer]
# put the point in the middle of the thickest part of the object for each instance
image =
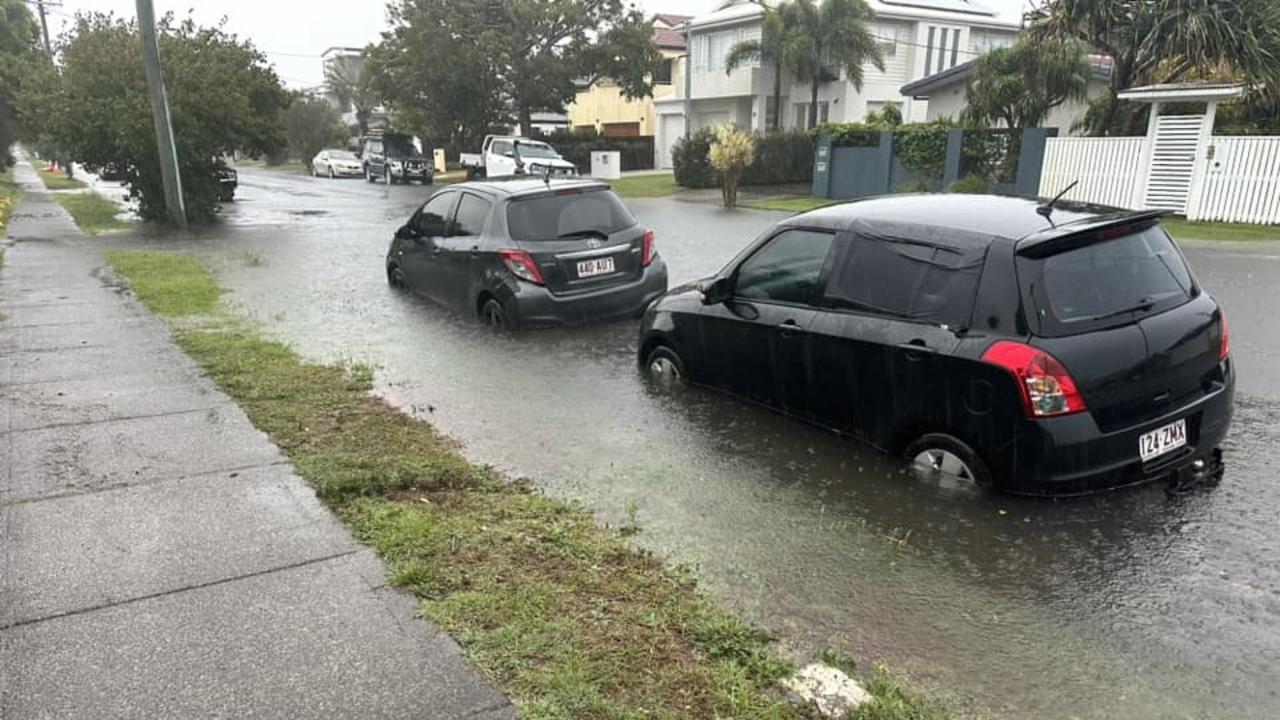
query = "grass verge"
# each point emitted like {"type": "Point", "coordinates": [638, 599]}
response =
{"type": "Point", "coordinates": [645, 186]}
{"type": "Point", "coordinates": [562, 614]}
{"type": "Point", "coordinates": [1186, 230]}
{"type": "Point", "coordinates": [9, 197]}
{"type": "Point", "coordinates": [93, 213]}
{"type": "Point", "coordinates": [792, 205]}
{"type": "Point", "coordinates": [58, 180]}
{"type": "Point", "coordinates": [294, 167]}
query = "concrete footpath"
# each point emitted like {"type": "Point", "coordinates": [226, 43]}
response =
{"type": "Point", "coordinates": [159, 558]}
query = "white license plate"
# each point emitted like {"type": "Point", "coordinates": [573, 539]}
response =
{"type": "Point", "coordinates": [1164, 440]}
{"type": "Point", "coordinates": [598, 266]}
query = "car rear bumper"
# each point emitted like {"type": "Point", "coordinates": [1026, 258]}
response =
{"type": "Point", "coordinates": [1072, 456]}
{"type": "Point", "coordinates": [535, 305]}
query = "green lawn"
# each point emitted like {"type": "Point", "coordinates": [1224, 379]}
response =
{"type": "Point", "coordinates": [93, 213]}
{"type": "Point", "coordinates": [58, 180]}
{"type": "Point", "coordinates": [795, 205]}
{"type": "Point", "coordinates": [9, 197]}
{"type": "Point", "coordinates": [295, 167]}
{"type": "Point", "coordinates": [559, 612]}
{"type": "Point", "coordinates": [645, 186]}
{"type": "Point", "coordinates": [1184, 230]}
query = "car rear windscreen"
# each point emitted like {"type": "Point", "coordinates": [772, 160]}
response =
{"type": "Point", "coordinates": [567, 214]}
{"type": "Point", "coordinates": [1107, 281]}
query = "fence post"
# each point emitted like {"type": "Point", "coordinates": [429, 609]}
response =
{"type": "Point", "coordinates": [1031, 161]}
{"type": "Point", "coordinates": [884, 160]}
{"type": "Point", "coordinates": [822, 167]}
{"type": "Point", "coordinates": [955, 147]}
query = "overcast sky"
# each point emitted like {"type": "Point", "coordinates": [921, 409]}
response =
{"type": "Point", "coordinates": [293, 33]}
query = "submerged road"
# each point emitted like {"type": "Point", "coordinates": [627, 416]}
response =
{"type": "Point", "coordinates": [1135, 604]}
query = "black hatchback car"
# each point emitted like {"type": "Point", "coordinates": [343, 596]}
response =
{"type": "Point", "coordinates": [525, 252]}
{"type": "Point", "coordinates": [1035, 350]}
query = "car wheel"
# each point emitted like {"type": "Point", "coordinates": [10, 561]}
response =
{"type": "Point", "coordinates": [332, 175]}
{"type": "Point", "coordinates": [368, 174]}
{"type": "Point", "coordinates": [396, 278]}
{"type": "Point", "coordinates": [386, 176]}
{"type": "Point", "coordinates": [494, 315]}
{"type": "Point", "coordinates": [665, 367]}
{"type": "Point", "coordinates": [938, 455]}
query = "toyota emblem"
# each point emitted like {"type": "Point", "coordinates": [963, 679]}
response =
{"type": "Point", "coordinates": [594, 243]}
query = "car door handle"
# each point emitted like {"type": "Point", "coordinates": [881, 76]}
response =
{"type": "Point", "coordinates": [789, 329]}
{"type": "Point", "coordinates": [916, 349]}
{"type": "Point", "coordinates": [475, 251]}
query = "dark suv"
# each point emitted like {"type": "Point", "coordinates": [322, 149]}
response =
{"type": "Point", "coordinates": [529, 252]}
{"type": "Point", "coordinates": [989, 339]}
{"type": "Point", "coordinates": [393, 158]}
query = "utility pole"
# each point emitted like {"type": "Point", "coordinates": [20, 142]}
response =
{"type": "Point", "coordinates": [173, 201]}
{"type": "Point", "coordinates": [44, 27]}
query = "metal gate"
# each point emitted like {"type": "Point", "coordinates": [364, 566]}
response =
{"type": "Point", "coordinates": [1173, 161]}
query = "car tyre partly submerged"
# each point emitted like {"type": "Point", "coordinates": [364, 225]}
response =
{"type": "Point", "coordinates": [397, 279]}
{"type": "Point", "coordinates": [938, 455]}
{"type": "Point", "coordinates": [664, 367]}
{"type": "Point", "coordinates": [494, 315]}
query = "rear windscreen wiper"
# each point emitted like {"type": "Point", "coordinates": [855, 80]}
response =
{"type": "Point", "coordinates": [583, 233]}
{"type": "Point", "coordinates": [1144, 305]}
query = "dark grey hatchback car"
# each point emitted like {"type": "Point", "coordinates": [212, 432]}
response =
{"type": "Point", "coordinates": [527, 252]}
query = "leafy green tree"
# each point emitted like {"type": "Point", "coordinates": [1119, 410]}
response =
{"type": "Point", "coordinates": [354, 86]}
{"type": "Point", "coordinates": [1018, 85]}
{"type": "Point", "coordinates": [1167, 41]}
{"type": "Point", "coordinates": [223, 98]}
{"type": "Point", "coordinates": [829, 38]}
{"type": "Point", "coordinates": [311, 125]}
{"type": "Point", "coordinates": [458, 68]}
{"type": "Point", "coordinates": [776, 37]}
{"type": "Point", "coordinates": [19, 60]}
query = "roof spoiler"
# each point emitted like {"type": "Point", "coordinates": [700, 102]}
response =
{"type": "Point", "coordinates": [1084, 232]}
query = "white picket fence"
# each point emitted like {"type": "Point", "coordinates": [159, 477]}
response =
{"type": "Point", "coordinates": [1241, 182]}
{"type": "Point", "coordinates": [1109, 169]}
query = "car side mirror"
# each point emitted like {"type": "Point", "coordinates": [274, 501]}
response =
{"type": "Point", "coordinates": [715, 292]}
{"type": "Point", "coordinates": [406, 232]}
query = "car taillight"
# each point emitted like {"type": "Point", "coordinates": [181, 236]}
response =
{"type": "Point", "coordinates": [646, 248]}
{"type": "Point", "coordinates": [521, 265]}
{"type": "Point", "coordinates": [1047, 388]}
{"type": "Point", "coordinates": [1225, 348]}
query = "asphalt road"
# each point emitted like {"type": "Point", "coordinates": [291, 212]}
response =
{"type": "Point", "coordinates": [1137, 604]}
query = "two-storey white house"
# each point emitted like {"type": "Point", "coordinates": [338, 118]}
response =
{"type": "Point", "coordinates": [918, 38]}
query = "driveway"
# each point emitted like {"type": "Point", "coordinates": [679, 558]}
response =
{"type": "Point", "coordinates": [1136, 604]}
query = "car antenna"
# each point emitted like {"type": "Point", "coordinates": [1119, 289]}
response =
{"type": "Point", "coordinates": [1047, 209]}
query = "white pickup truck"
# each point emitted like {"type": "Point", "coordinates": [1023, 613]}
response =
{"type": "Point", "coordinates": [503, 156]}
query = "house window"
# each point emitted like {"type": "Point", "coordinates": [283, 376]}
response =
{"type": "Point", "coordinates": [982, 42]}
{"type": "Point", "coordinates": [663, 76]}
{"type": "Point", "coordinates": [887, 38]}
{"type": "Point", "coordinates": [770, 112]}
{"type": "Point", "coordinates": [942, 49]}
{"type": "Point", "coordinates": [711, 49]}
{"type": "Point", "coordinates": [802, 113]}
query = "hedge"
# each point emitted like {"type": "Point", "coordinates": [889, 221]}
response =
{"type": "Point", "coordinates": [781, 157]}
{"type": "Point", "coordinates": [576, 147]}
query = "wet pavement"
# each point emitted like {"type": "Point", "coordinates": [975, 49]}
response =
{"type": "Point", "coordinates": [1136, 604]}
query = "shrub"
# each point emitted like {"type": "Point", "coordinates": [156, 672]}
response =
{"type": "Point", "coordinates": [850, 134]}
{"type": "Point", "coordinates": [922, 147]}
{"type": "Point", "coordinates": [971, 184]}
{"type": "Point", "coordinates": [576, 147]}
{"type": "Point", "coordinates": [689, 157]}
{"type": "Point", "coordinates": [730, 154]}
{"type": "Point", "coordinates": [781, 157]}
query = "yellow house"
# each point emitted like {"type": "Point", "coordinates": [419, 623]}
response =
{"type": "Point", "coordinates": [601, 106]}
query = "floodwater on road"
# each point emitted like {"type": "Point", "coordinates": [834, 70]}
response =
{"type": "Point", "coordinates": [1134, 604]}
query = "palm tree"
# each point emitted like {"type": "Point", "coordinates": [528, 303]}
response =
{"type": "Point", "coordinates": [829, 38]}
{"type": "Point", "coordinates": [771, 48]}
{"type": "Point", "coordinates": [353, 86]}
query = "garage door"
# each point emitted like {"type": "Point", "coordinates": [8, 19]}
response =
{"type": "Point", "coordinates": [671, 128]}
